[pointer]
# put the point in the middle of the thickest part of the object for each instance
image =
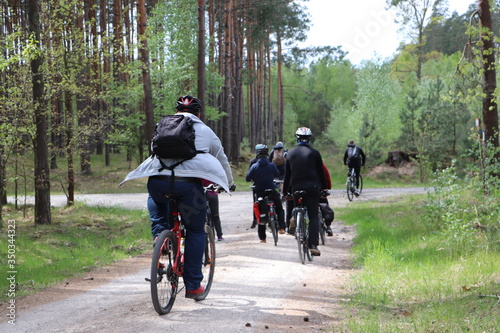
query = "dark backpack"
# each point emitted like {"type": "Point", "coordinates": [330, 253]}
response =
{"type": "Point", "coordinates": [174, 138]}
{"type": "Point", "coordinates": [353, 153]}
{"type": "Point", "coordinates": [326, 212]}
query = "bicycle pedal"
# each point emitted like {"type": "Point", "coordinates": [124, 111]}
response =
{"type": "Point", "coordinates": [147, 279]}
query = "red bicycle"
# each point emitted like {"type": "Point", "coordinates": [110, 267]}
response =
{"type": "Point", "coordinates": [168, 262]}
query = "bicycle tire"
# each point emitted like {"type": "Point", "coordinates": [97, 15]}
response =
{"type": "Point", "coordinates": [350, 188]}
{"type": "Point", "coordinates": [299, 235]}
{"type": "Point", "coordinates": [360, 189]}
{"type": "Point", "coordinates": [273, 224]}
{"type": "Point", "coordinates": [305, 243]}
{"type": "Point", "coordinates": [164, 282]}
{"type": "Point", "coordinates": [208, 263]}
{"type": "Point", "coordinates": [322, 227]}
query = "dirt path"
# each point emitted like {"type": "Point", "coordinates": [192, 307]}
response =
{"type": "Point", "coordinates": [258, 287]}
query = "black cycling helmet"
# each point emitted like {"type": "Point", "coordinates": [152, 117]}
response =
{"type": "Point", "coordinates": [261, 149]}
{"type": "Point", "coordinates": [188, 103]}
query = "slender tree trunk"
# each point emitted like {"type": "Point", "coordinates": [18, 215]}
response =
{"type": "Point", "coordinates": [201, 56]}
{"type": "Point", "coordinates": [42, 170]}
{"type": "Point", "coordinates": [68, 101]}
{"type": "Point", "coordinates": [270, 114]}
{"type": "Point", "coordinates": [490, 107]}
{"type": "Point", "coordinates": [146, 80]}
{"type": "Point", "coordinates": [280, 107]}
{"type": "Point", "coordinates": [105, 76]}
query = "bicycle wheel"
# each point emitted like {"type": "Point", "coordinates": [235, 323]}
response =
{"type": "Point", "coordinates": [350, 188]}
{"type": "Point", "coordinates": [305, 242]}
{"type": "Point", "coordinates": [360, 184]}
{"type": "Point", "coordinates": [299, 235]}
{"type": "Point", "coordinates": [208, 263]}
{"type": "Point", "coordinates": [164, 282]}
{"type": "Point", "coordinates": [273, 224]}
{"type": "Point", "coordinates": [322, 227]}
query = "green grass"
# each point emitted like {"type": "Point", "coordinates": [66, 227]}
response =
{"type": "Point", "coordinates": [79, 239]}
{"type": "Point", "coordinates": [411, 281]}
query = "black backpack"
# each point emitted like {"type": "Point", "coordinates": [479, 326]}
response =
{"type": "Point", "coordinates": [353, 153]}
{"type": "Point", "coordinates": [174, 138]}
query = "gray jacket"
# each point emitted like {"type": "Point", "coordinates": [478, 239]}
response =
{"type": "Point", "coordinates": [212, 165]}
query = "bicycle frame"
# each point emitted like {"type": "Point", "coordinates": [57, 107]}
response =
{"type": "Point", "coordinates": [179, 233]}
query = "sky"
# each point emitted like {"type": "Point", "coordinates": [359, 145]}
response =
{"type": "Point", "coordinates": [370, 33]}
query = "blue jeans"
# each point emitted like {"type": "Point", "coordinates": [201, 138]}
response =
{"type": "Point", "coordinates": [193, 208]}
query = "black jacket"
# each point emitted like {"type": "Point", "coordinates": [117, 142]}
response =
{"type": "Point", "coordinates": [304, 169]}
{"type": "Point", "coordinates": [361, 155]}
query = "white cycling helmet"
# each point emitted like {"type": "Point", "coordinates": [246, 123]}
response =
{"type": "Point", "coordinates": [303, 134]}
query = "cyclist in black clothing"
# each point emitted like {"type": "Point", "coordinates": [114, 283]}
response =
{"type": "Point", "coordinates": [304, 171]}
{"type": "Point", "coordinates": [354, 157]}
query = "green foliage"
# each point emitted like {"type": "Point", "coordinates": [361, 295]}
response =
{"type": "Point", "coordinates": [414, 278]}
{"type": "Point", "coordinates": [172, 39]}
{"type": "Point", "coordinates": [372, 118]}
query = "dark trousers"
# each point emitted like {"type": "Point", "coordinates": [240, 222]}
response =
{"type": "Point", "coordinates": [311, 202]}
{"type": "Point", "coordinates": [275, 197]}
{"type": "Point", "coordinates": [213, 203]}
{"type": "Point", "coordinates": [356, 165]}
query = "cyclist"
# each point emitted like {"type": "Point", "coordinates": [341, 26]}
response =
{"type": "Point", "coordinates": [212, 165]}
{"type": "Point", "coordinates": [213, 202]}
{"type": "Point", "coordinates": [354, 158]}
{"type": "Point", "coordinates": [304, 171]}
{"type": "Point", "coordinates": [263, 173]}
{"type": "Point", "coordinates": [252, 162]}
{"type": "Point", "coordinates": [278, 157]}
{"type": "Point", "coordinates": [325, 207]}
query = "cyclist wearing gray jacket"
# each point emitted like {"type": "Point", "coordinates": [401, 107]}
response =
{"type": "Point", "coordinates": [212, 164]}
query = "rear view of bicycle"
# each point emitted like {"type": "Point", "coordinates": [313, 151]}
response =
{"type": "Point", "coordinates": [351, 184]}
{"type": "Point", "coordinates": [267, 215]}
{"type": "Point", "coordinates": [167, 264]}
{"type": "Point", "coordinates": [299, 213]}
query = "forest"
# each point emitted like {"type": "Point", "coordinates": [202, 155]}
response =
{"type": "Point", "coordinates": [93, 77]}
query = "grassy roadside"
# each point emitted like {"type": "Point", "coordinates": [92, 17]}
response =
{"type": "Point", "coordinates": [414, 277]}
{"type": "Point", "coordinates": [79, 239]}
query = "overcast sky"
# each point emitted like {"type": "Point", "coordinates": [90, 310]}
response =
{"type": "Point", "coordinates": [367, 33]}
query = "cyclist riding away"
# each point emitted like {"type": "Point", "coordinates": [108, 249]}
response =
{"type": "Point", "coordinates": [211, 164]}
{"type": "Point", "coordinates": [278, 157]}
{"type": "Point", "coordinates": [354, 158]}
{"type": "Point", "coordinates": [263, 173]}
{"type": "Point", "coordinates": [252, 162]}
{"type": "Point", "coordinates": [304, 171]}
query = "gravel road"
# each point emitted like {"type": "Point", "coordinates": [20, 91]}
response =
{"type": "Point", "coordinates": [257, 287]}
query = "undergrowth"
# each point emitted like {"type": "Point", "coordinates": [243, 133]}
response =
{"type": "Point", "coordinates": [429, 264]}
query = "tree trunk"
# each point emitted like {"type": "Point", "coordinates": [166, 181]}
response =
{"type": "Point", "coordinates": [146, 80]}
{"type": "Point", "coordinates": [106, 70]}
{"type": "Point", "coordinates": [42, 171]}
{"type": "Point", "coordinates": [280, 107]}
{"type": "Point", "coordinates": [201, 56]}
{"type": "Point", "coordinates": [68, 101]}
{"type": "Point", "coordinates": [490, 108]}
